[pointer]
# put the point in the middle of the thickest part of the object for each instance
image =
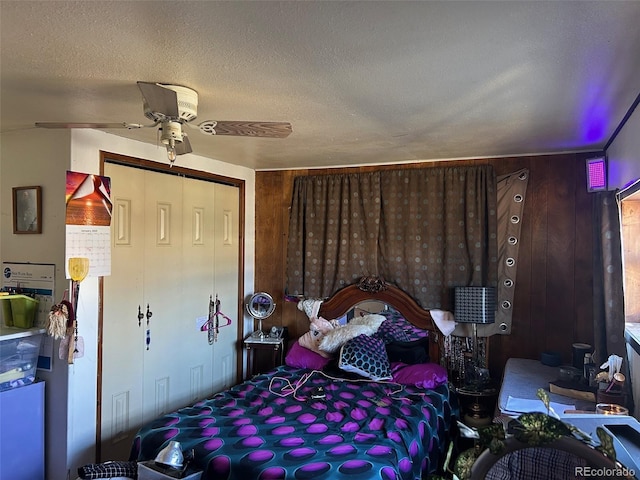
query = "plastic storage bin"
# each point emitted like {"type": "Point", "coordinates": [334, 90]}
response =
{"type": "Point", "coordinates": [19, 310]}
{"type": "Point", "coordinates": [19, 351]}
{"type": "Point", "coordinates": [149, 470]}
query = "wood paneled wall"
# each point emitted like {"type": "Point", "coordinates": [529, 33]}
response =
{"type": "Point", "coordinates": [553, 297]}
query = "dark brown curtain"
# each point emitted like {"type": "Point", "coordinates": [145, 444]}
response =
{"type": "Point", "coordinates": [608, 292]}
{"type": "Point", "coordinates": [425, 230]}
{"type": "Point", "coordinates": [333, 232]}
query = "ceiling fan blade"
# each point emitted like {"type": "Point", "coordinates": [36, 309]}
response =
{"type": "Point", "coordinates": [129, 126]}
{"type": "Point", "coordinates": [159, 99]}
{"type": "Point", "coordinates": [184, 146]}
{"type": "Point", "coordinates": [247, 129]}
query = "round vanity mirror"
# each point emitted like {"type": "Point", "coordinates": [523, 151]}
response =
{"type": "Point", "coordinates": [260, 306]}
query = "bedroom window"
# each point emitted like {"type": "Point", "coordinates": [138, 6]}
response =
{"type": "Point", "coordinates": [629, 199]}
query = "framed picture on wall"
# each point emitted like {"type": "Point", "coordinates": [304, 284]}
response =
{"type": "Point", "coordinates": [27, 210]}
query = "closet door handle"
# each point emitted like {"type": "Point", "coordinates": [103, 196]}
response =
{"type": "Point", "coordinates": [140, 316]}
{"type": "Point", "coordinates": [148, 336]}
{"type": "Point", "coordinates": [149, 314]}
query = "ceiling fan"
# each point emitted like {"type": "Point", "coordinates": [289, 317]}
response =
{"type": "Point", "coordinates": [172, 106]}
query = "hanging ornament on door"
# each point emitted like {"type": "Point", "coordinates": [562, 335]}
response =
{"type": "Point", "coordinates": [213, 320]}
{"type": "Point", "coordinates": [58, 319]}
{"type": "Point", "coordinates": [78, 271]}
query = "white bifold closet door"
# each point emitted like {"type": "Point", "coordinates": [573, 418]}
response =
{"type": "Point", "coordinates": [174, 246]}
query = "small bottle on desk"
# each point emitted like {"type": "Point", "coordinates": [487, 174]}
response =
{"type": "Point", "coordinates": [589, 373]}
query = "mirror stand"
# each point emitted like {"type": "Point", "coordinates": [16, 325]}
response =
{"type": "Point", "coordinates": [258, 333]}
{"type": "Point", "coordinates": [260, 306]}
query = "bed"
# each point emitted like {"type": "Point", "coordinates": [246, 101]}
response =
{"type": "Point", "coordinates": [299, 422]}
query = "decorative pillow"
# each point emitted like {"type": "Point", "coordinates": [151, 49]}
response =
{"type": "Point", "coordinates": [310, 306]}
{"type": "Point", "coordinates": [365, 356]}
{"type": "Point", "coordinates": [323, 325]}
{"type": "Point", "coordinates": [311, 340]}
{"type": "Point", "coordinates": [413, 352]}
{"type": "Point", "coordinates": [423, 375]}
{"type": "Point", "coordinates": [334, 339]}
{"type": "Point", "coordinates": [413, 332]}
{"type": "Point", "coordinates": [390, 332]}
{"type": "Point", "coordinates": [372, 320]}
{"type": "Point", "coordinates": [301, 357]}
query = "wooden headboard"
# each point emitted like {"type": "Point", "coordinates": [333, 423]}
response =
{"type": "Point", "coordinates": [376, 289]}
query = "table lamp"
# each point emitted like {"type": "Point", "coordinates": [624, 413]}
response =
{"type": "Point", "coordinates": [475, 305]}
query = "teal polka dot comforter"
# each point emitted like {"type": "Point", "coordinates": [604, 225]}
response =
{"type": "Point", "coordinates": [280, 425]}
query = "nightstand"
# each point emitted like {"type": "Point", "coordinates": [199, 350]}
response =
{"type": "Point", "coordinates": [263, 353]}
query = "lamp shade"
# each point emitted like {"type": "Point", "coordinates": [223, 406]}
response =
{"type": "Point", "coordinates": [475, 304]}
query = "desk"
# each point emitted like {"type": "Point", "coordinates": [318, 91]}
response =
{"type": "Point", "coordinates": [263, 353]}
{"type": "Point", "coordinates": [522, 379]}
{"type": "Point", "coordinates": [625, 441]}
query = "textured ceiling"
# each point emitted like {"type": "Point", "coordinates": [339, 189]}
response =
{"type": "Point", "coordinates": [360, 82]}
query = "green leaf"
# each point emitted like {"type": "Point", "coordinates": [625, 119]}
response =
{"type": "Point", "coordinates": [464, 463]}
{"type": "Point", "coordinates": [492, 436]}
{"type": "Point", "coordinates": [544, 396]}
{"type": "Point", "coordinates": [606, 443]}
{"type": "Point", "coordinates": [536, 429]}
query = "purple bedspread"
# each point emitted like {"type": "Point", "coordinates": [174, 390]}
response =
{"type": "Point", "coordinates": [359, 430]}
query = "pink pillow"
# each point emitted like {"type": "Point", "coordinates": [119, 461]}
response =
{"type": "Point", "coordinates": [301, 357]}
{"type": "Point", "coordinates": [423, 375]}
{"type": "Point", "coordinates": [311, 341]}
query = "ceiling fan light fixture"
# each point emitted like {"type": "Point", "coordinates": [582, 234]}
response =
{"type": "Point", "coordinates": [171, 151]}
{"type": "Point", "coordinates": [170, 133]}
